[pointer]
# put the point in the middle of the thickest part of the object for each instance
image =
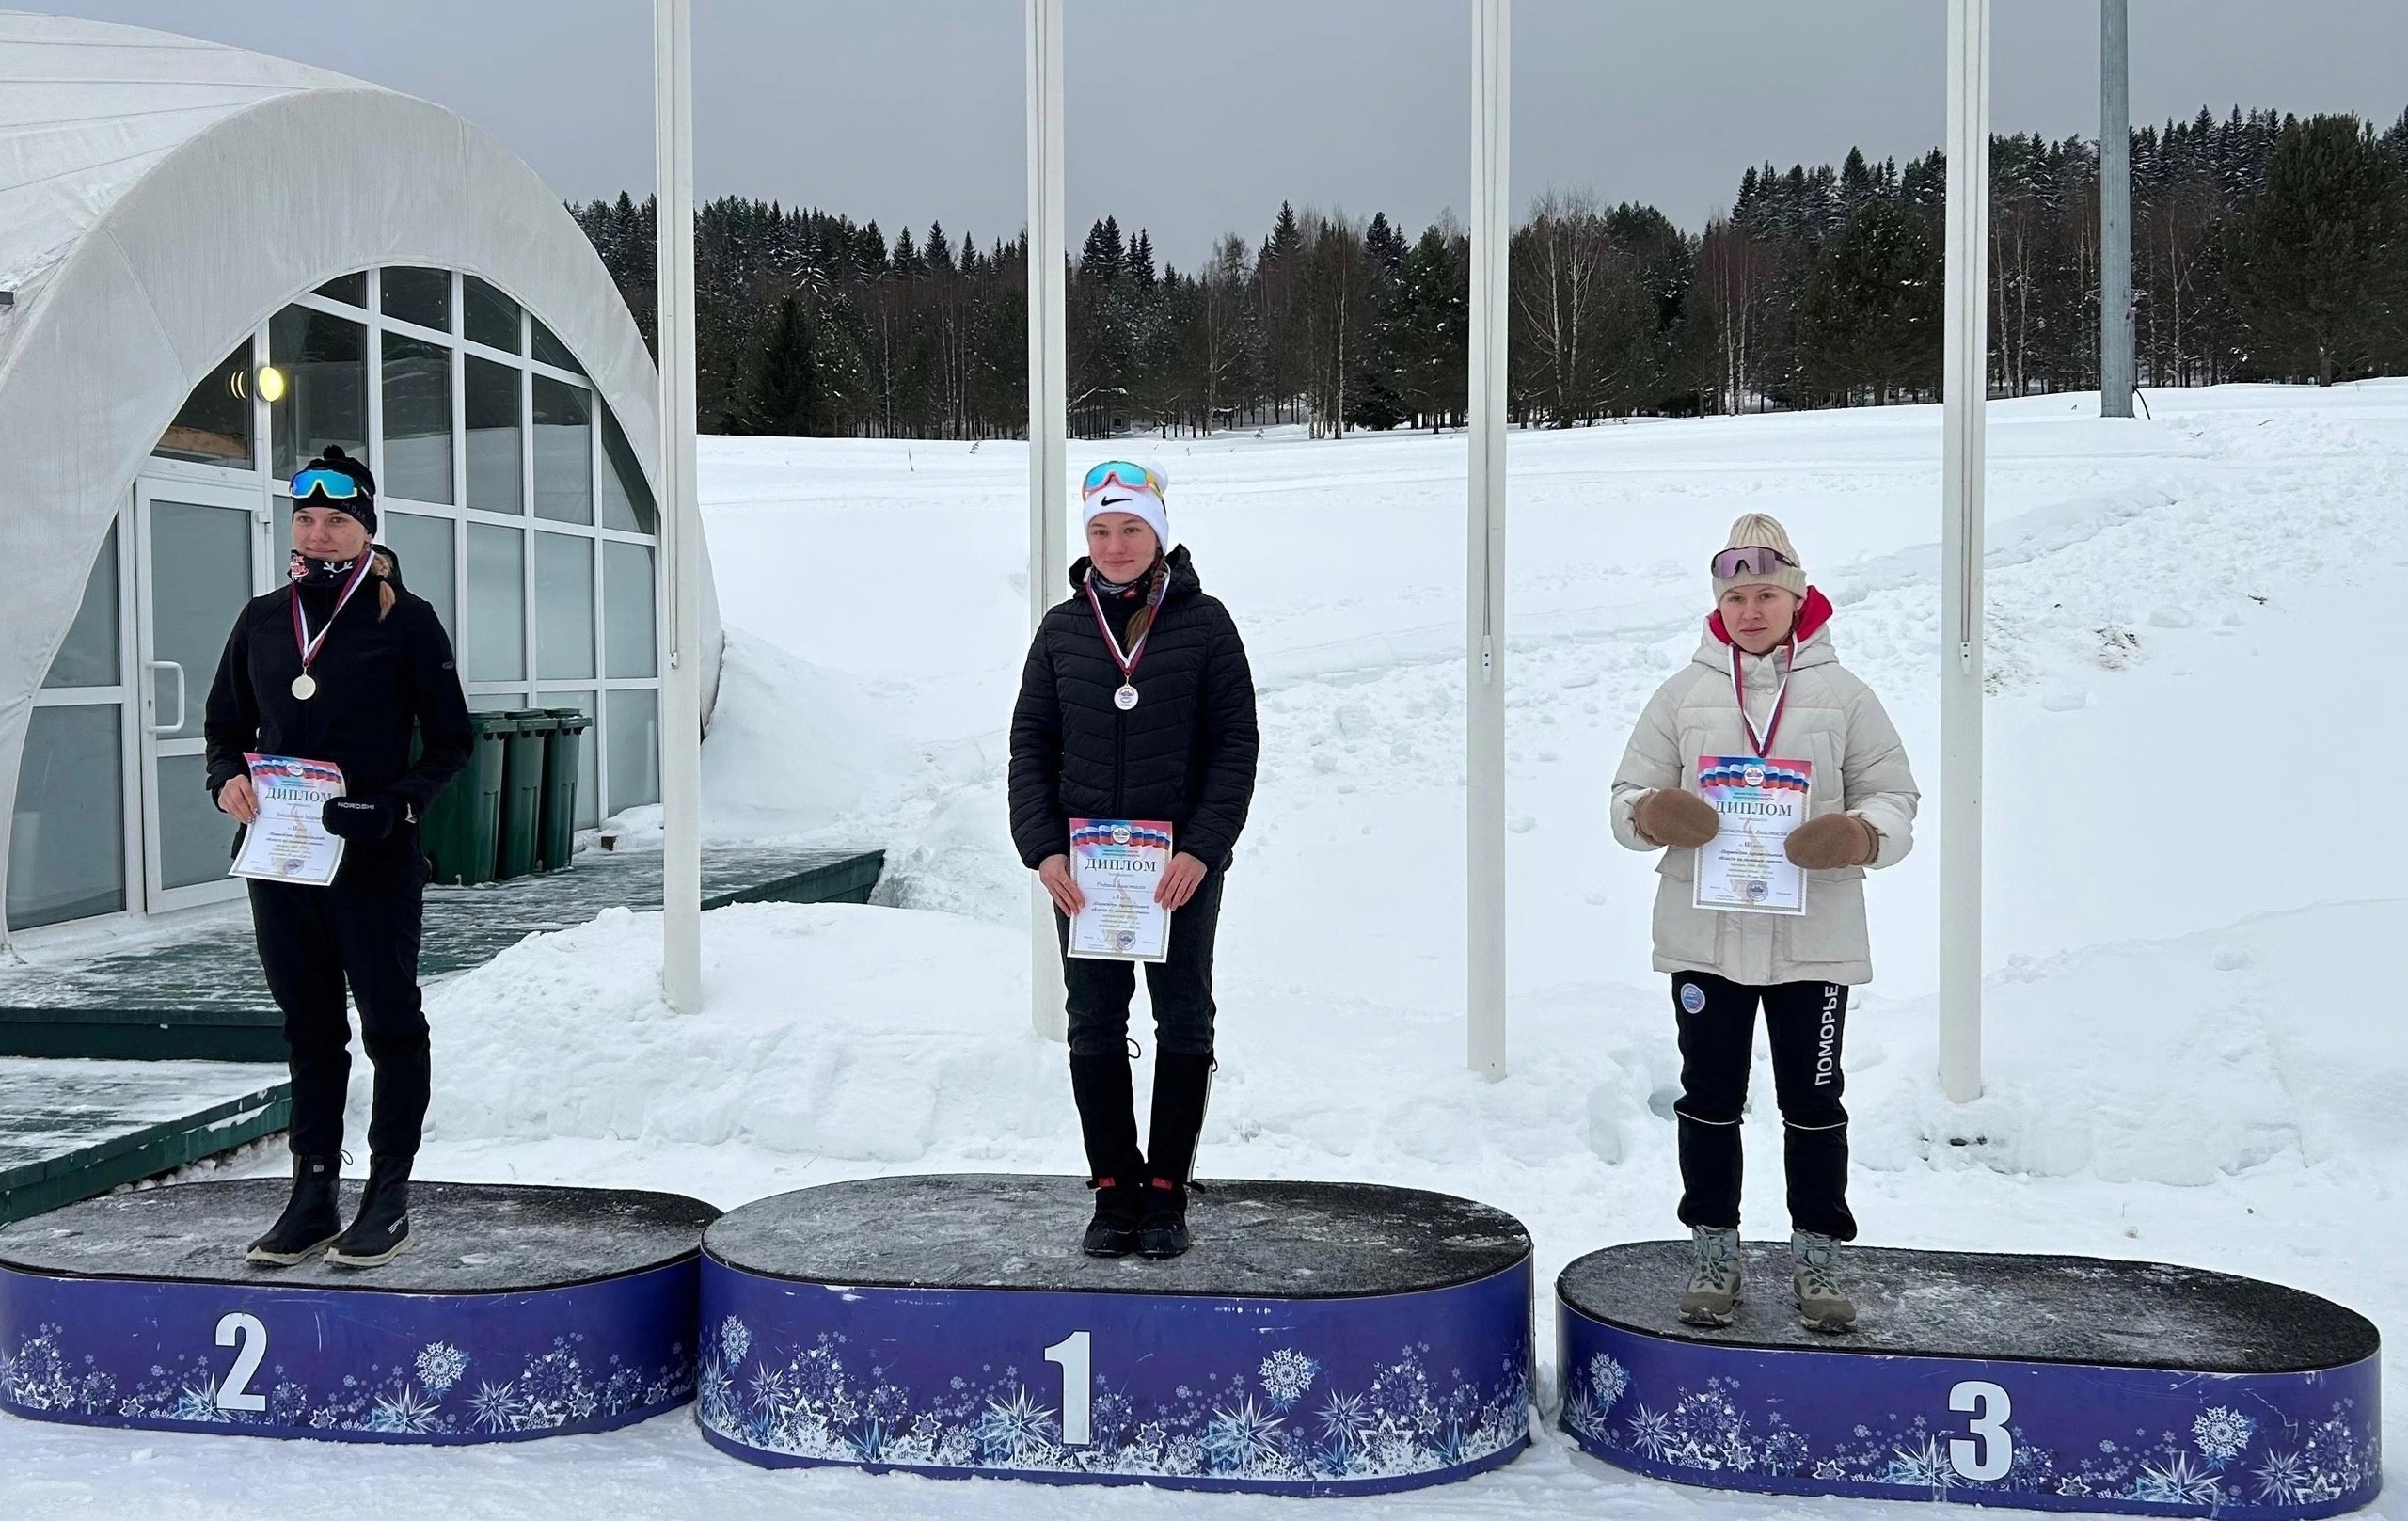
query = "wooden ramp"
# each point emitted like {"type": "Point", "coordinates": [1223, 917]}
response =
{"type": "Point", "coordinates": [198, 996]}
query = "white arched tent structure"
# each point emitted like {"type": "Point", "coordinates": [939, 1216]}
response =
{"type": "Point", "coordinates": [163, 201]}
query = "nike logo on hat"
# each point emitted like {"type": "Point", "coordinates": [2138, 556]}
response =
{"type": "Point", "coordinates": [1114, 502]}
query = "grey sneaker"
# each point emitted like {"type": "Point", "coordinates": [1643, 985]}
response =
{"type": "Point", "coordinates": [1713, 1296]}
{"type": "Point", "coordinates": [1815, 1282]}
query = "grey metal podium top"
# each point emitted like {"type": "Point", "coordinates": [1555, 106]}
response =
{"type": "Point", "coordinates": [2010, 1307]}
{"type": "Point", "coordinates": [997, 1230]}
{"type": "Point", "coordinates": [466, 1238]}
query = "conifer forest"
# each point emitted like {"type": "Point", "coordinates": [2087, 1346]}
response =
{"type": "Point", "coordinates": [2265, 247]}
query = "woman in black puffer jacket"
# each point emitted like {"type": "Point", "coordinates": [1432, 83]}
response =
{"type": "Point", "coordinates": [1170, 738]}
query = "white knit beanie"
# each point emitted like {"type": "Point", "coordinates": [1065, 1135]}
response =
{"type": "Point", "coordinates": [1143, 501]}
{"type": "Point", "coordinates": [1764, 531]}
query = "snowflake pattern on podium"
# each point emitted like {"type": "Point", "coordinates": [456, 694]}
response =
{"type": "Point", "coordinates": [1280, 1421]}
{"type": "Point", "coordinates": [2226, 1459]}
{"type": "Point", "coordinates": [441, 1391]}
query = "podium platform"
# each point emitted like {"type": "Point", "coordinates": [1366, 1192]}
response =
{"type": "Point", "coordinates": [1321, 1338]}
{"type": "Point", "coordinates": [516, 1313]}
{"type": "Point", "coordinates": [2048, 1383]}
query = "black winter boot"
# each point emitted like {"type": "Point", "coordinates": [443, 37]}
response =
{"type": "Point", "coordinates": [382, 1228]}
{"type": "Point", "coordinates": [311, 1218]}
{"type": "Point", "coordinates": [1182, 1086]}
{"type": "Point", "coordinates": [1115, 1168]}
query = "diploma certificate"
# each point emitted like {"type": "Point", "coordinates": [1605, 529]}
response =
{"type": "Point", "coordinates": [1118, 864]}
{"type": "Point", "coordinates": [288, 842]}
{"type": "Point", "coordinates": [1744, 869]}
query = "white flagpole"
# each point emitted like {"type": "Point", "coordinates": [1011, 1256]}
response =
{"type": "Point", "coordinates": [1049, 557]}
{"type": "Point", "coordinates": [681, 697]}
{"type": "Point", "coordinates": [2117, 377]}
{"type": "Point", "coordinates": [1485, 616]}
{"type": "Point", "coordinates": [1965, 393]}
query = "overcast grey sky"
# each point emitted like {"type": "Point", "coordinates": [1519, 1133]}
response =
{"type": "Point", "coordinates": [1196, 116]}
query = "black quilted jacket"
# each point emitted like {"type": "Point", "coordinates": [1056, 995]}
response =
{"type": "Point", "coordinates": [1186, 753]}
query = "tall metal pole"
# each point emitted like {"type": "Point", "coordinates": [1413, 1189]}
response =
{"type": "Point", "coordinates": [1965, 391]}
{"type": "Point", "coordinates": [2118, 371]}
{"type": "Point", "coordinates": [681, 538]}
{"type": "Point", "coordinates": [1484, 582]}
{"type": "Point", "coordinates": [1049, 557]}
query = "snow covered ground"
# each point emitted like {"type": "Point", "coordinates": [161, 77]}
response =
{"type": "Point", "coordinates": [2195, 1050]}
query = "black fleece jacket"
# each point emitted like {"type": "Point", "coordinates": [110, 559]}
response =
{"type": "Point", "coordinates": [377, 676]}
{"type": "Point", "coordinates": [1186, 753]}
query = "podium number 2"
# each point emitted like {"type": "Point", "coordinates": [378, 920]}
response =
{"type": "Point", "coordinates": [1989, 1405]}
{"type": "Point", "coordinates": [1071, 1354]}
{"type": "Point", "coordinates": [235, 1393]}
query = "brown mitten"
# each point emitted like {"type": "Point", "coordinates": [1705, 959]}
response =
{"type": "Point", "coordinates": [1833, 842]}
{"type": "Point", "coordinates": [1681, 819]}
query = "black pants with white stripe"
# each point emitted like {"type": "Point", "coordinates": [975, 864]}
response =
{"type": "Point", "coordinates": [1804, 1020]}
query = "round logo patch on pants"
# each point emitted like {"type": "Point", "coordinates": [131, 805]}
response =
{"type": "Point", "coordinates": [1692, 998]}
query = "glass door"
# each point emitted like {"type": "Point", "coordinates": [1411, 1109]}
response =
{"type": "Point", "coordinates": [196, 561]}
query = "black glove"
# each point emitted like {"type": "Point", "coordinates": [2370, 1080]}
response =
{"type": "Point", "coordinates": [361, 819]}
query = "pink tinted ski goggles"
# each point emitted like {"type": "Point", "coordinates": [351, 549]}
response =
{"type": "Point", "coordinates": [1748, 560]}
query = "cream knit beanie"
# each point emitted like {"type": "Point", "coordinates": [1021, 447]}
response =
{"type": "Point", "coordinates": [1762, 530]}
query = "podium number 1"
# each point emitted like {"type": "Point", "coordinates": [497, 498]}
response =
{"type": "Point", "coordinates": [1071, 1354]}
{"type": "Point", "coordinates": [235, 1393]}
{"type": "Point", "coordinates": [1996, 1447]}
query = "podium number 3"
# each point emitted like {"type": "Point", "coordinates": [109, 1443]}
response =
{"type": "Point", "coordinates": [1989, 1405]}
{"type": "Point", "coordinates": [1071, 1354]}
{"type": "Point", "coordinates": [235, 1393]}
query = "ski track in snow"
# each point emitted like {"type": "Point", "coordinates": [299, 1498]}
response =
{"type": "Point", "coordinates": [2187, 1057]}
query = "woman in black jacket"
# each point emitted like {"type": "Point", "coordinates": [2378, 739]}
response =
{"type": "Point", "coordinates": [1136, 703]}
{"type": "Point", "coordinates": [340, 666]}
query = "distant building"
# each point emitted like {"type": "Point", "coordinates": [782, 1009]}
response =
{"type": "Point", "coordinates": [216, 263]}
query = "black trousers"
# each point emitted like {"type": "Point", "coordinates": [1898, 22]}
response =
{"type": "Point", "coordinates": [1805, 1021]}
{"type": "Point", "coordinates": [361, 933]}
{"type": "Point", "coordinates": [1181, 986]}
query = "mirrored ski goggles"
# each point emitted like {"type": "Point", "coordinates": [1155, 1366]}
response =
{"type": "Point", "coordinates": [1748, 560]}
{"type": "Point", "coordinates": [1131, 477]}
{"type": "Point", "coordinates": [333, 485]}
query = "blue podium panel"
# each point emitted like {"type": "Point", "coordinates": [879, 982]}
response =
{"type": "Point", "coordinates": [2049, 1383]}
{"type": "Point", "coordinates": [1321, 1338]}
{"type": "Point", "coordinates": [516, 1313]}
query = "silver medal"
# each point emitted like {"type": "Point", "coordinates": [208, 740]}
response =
{"type": "Point", "coordinates": [1126, 698]}
{"type": "Point", "coordinates": [304, 686]}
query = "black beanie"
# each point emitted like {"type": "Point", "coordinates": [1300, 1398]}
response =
{"type": "Point", "coordinates": [363, 506]}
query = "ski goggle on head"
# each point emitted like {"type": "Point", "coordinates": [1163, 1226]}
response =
{"type": "Point", "coordinates": [1131, 477]}
{"type": "Point", "coordinates": [1748, 560]}
{"type": "Point", "coordinates": [333, 485]}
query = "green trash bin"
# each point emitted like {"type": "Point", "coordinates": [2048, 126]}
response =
{"type": "Point", "coordinates": [461, 832]}
{"type": "Point", "coordinates": [522, 790]}
{"type": "Point", "coordinates": [562, 757]}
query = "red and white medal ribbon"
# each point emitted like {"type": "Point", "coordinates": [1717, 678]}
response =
{"type": "Point", "coordinates": [304, 686]}
{"type": "Point", "coordinates": [1762, 743]}
{"type": "Point", "coordinates": [1126, 698]}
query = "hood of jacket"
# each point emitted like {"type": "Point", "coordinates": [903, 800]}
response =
{"type": "Point", "coordinates": [1183, 580]}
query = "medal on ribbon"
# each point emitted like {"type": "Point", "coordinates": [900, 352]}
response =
{"type": "Point", "coordinates": [1126, 697]}
{"type": "Point", "coordinates": [304, 686]}
{"type": "Point", "coordinates": [1762, 743]}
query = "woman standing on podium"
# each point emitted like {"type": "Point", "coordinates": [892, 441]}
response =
{"type": "Point", "coordinates": [1763, 709]}
{"type": "Point", "coordinates": [340, 665]}
{"type": "Point", "coordinates": [1136, 703]}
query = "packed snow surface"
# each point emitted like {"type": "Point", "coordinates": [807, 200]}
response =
{"type": "Point", "coordinates": [2193, 1045]}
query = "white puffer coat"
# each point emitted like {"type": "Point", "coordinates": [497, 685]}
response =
{"type": "Point", "coordinates": [1832, 721]}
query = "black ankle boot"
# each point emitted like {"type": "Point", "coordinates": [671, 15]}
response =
{"type": "Point", "coordinates": [1113, 1232]}
{"type": "Point", "coordinates": [311, 1218]}
{"type": "Point", "coordinates": [1115, 1168]}
{"type": "Point", "coordinates": [1161, 1229]}
{"type": "Point", "coordinates": [382, 1228]}
{"type": "Point", "coordinates": [1182, 1087]}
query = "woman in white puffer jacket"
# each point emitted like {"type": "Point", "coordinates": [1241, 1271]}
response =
{"type": "Point", "coordinates": [1769, 638]}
